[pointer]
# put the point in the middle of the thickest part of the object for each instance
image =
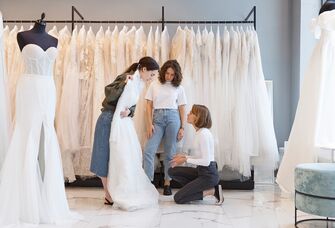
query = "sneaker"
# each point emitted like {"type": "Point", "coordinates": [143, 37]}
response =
{"type": "Point", "coordinates": [218, 194]}
{"type": "Point", "coordinates": [167, 190]}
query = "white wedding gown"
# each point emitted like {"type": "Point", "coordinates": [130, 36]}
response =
{"type": "Point", "coordinates": [4, 101]}
{"type": "Point", "coordinates": [31, 179]}
{"type": "Point", "coordinates": [314, 123]}
{"type": "Point", "coordinates": [129, 186]}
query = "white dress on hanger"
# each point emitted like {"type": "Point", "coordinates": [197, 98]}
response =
{"type": "Point", "coordinates": [243, 115]}
{"type": "Point", "coordinates": [99, 79]}
{"type": "Point", "coordinates": [228, 99]}
{"type": "Point", "coordinates": [188, 84]}
{"type": "Point", "coordinates": [150, 43]}
{"type": "Point", "coordinates": [140, 111]}
{"type": "Point", "coordinates": [121, 51]}
{"type": "Point", "coordinates": [87, 87]}
{"type": "Point", "coordinates": [224, 109]}
{"type": "Point", "coordinates": [157, 46]}
{"type": "Point", "coordinates": [266, 161]}
{"type": "Point", "coordinates": [15, 67]}
{"type": "Point", "coordinates": [68, 122]}
{"type": "Point", "coordinates": [130, 47]}
{"type": "Point", "coordinates": [113, 51]}
{"type": "Point", "coordinates": [211, 80]}
{"type": "Point", "coordinates": [107, 56]}
{"type": "Point", "coordinates": [32, 184]}
{"type": "Point", "coordinates": [314, 122]}
{"type": "Point", "coordinates": [165, 46]}
{"type": "Point", "coordinates": [64, 38]}
{"type": "Point", "coordinates": [5, 121]}
{"type": "Point", "coordinates": [140, 44]}
{"type": "Point", "coordinates": [178, 47]}
{"type": "Point", "coordinates": [127, 182]}
{"type": "Point", "coordinates": [53, 32]}
{"type": "Point", "coordinates": [205, 69]}
{"type": "Point", "coordinates": [197, 69]}
{"type": "Point", "coordinates": [81, 158]}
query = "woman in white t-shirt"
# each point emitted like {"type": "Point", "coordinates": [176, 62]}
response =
{"type": "Point", "coordinates": [203, 180]}
{"type": "Point", "coordinates": [166, 102]}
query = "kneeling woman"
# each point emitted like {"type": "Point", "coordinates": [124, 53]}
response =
{"type": "Point", "coordinates": [202, 180]}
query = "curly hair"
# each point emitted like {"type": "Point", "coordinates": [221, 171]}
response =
{"type": "Point", "coordinates": [174, 65]}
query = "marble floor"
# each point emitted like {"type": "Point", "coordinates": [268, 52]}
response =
{"type": "Point", "coordinates": [264, 207]}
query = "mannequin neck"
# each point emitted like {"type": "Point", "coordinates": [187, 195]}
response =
{"type": "Point", "coordinates": [38, 28]}
{"type": "Point", "coordinates": [328, 6]}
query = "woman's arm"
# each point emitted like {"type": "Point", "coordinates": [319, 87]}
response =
{"type": "Point", "coordinates": [181, 109]}
{"type": "Point", "coordinates": [150, 127]}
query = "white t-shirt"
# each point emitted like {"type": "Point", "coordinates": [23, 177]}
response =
{"type": "Point", "coordinates": [165, 96]}
{"type": "Point", "coordinates": [203, 152]}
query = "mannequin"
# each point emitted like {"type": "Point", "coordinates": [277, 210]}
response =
{"type": "Point", "coordinates": [327, 6]}
{"type": "Point", "coordinates": [37, 35]}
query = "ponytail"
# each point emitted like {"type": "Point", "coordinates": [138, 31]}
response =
{"type": "Point", "coordinates": [148, 62]}
{"type": "Point", "coordinates": [132, 68]}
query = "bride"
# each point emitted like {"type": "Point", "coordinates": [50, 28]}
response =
{"type": "Point", "coordinates": [128, 184]}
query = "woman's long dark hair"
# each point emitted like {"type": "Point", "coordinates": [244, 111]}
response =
{"type": "Point", "coordinates": [148, 62]}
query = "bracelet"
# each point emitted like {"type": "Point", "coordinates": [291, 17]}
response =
{"type": "Point", "coordinates": [181, 128]}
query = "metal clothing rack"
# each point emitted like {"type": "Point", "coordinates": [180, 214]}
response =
{"type": "Point", "coordinates": [162, 21]}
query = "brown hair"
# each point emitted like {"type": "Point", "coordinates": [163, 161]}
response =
{"type": "Point", "coordinates": [177, 72]}
{"type": "Point", "coordinates": [203, 116]}
{"type": "Point", "coordinates": [148, 62]}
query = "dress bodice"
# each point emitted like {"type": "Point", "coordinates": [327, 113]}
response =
{"type": "Point", "coordinates": [37, 61]}
{"type": "Point", "coordinates": [324, 25]}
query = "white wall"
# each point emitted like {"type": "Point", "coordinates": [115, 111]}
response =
{"type": "Point", "coordinates": [274, 24]}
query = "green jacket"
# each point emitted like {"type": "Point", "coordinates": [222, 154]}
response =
{"type": "Point", "coordinates": [113, 92]}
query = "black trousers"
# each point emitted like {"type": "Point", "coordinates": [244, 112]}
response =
{"type": "Point", "coordinates": [194, 181]}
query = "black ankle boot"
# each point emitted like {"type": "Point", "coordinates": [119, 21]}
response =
{"type": "Point", "coordinates": [167, 190]}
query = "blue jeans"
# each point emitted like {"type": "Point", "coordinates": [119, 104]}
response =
{"type": "Point", "coordinates": [100, 153]}
{"type": "Point", "coordinates": [166, 123]}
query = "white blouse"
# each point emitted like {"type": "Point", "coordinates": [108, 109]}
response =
{"type": "Point", "coordinates": [203, 148]}
{"type": "Point", "coordinates": [165, 96]}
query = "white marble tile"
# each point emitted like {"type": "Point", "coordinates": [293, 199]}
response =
{"type": "Point", "coordinates": [264, 207]}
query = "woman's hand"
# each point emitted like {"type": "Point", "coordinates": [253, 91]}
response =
{"type": "Point", "coordinates": [178, 159]}
{"type": "Point", "coordinates": [150, 131]}
{"type": "Point", "coordinates": [180, 134]}
{"type": "Point", "coordinates": [125, 113]}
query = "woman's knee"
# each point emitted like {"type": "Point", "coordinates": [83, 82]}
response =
{"type": "Point", "coordinates": [179, 198]}
{"type": "Point", "coordinates": [171, 172]}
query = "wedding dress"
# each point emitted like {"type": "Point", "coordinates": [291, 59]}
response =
{"type": "Point", "coordinates": [31, 180]}
{"type": "Point", "coordinates": [157, 46]}
{"type": "Point", "coordinates": [113, 51]}
{"type": "Point", "coordinates": [99, 78]}
{"type": "Point", "coordinates": [121, 51]}
{"type": "Point", "coordinates": [313, 126]}
{"type": "Point", "coordinates": [64, 37]}
{"type": "Point", "coordinates": [4, 101]}
{"type": "Point", "coordinates": [128, 184]}
{"type": "Point", "coordinates": [165, 46]}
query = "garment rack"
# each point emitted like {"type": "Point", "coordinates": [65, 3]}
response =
{"type": "Point", "coordinates": [235, 184]}
{"type": "Point", "coordinates": [162, 21]}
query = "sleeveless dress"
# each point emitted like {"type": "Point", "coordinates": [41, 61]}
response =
{"type": "Point", "coordinates": [31, 179]}
{"type": "Point", "coordinates": [314, 123]}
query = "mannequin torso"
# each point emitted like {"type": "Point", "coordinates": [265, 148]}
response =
{"type": "Point", "coordinates": [37, 35]}
{"type": "Point", "coordinates": [327, 6]}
